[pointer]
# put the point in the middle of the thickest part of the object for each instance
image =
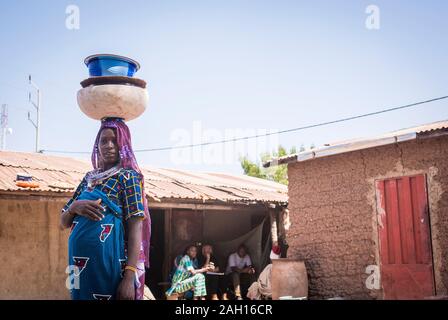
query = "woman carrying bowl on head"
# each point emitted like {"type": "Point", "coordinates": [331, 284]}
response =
{"type": "Point", "coordinates": [109, 220]}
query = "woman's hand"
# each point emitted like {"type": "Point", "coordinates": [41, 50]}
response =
{"type": "Point", "coordinates": [87, 208]}
{"type": "Point", "coordinates": [126, 288]}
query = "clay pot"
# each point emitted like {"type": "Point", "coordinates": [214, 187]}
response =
{"type": "Point", "coordinates": [289, 279]}
{"type": "Point", "coordinates": [113, 100]}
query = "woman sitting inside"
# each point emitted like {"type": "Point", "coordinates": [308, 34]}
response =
{"type": "Point", "coordinates": [187, 277]}
{"type": "Point", "coordinates": [189, 294]}
{"type": "Point", "coordinates": [212, 281]}
{"type": "Point", "coordinates": [176, 262]}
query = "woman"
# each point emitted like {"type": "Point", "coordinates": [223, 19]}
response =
{"type": "Point", "coordinates": [213, 282]}
{"type": "Point", "coordinates": [187, 277]}
{"type": "Point", "coordinates": [109, 220]}
{"type": "Point", "coordinates": [189, 294]}
{"type": "Point", "coordinates": [176, 261]}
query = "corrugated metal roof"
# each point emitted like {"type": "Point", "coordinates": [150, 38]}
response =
{"type": "Point", "coordinates": [359, 144]}
{"type": "Point", "coordinates": [62, 174]}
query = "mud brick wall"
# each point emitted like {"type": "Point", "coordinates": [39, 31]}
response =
{"type": "Point", "coordinates": [333, 212]}
{"type": "Point", "coordinates": [33, 249]}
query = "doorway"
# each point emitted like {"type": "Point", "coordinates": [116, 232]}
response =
{"type": "Point", "coordinates": [404, 237]}
{"type": "Point", "coordinates": [157, 253]}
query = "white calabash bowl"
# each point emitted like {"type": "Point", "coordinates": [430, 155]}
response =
{"type": "Point", "coordinates": [113, 100]}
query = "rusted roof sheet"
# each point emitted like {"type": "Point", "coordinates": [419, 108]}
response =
{"type": "Point", "coordinates": [427, 130]}
{"type": "Point", "coordinates": [62, 174]}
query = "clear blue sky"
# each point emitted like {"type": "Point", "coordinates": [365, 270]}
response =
{"type": "Point", "coordinates": [227, 65]}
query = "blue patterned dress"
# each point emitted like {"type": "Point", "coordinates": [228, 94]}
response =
{"type": "Point", "coordinates": [96, 249]}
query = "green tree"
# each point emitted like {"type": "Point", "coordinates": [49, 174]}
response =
{"type": "Point", "coordinates": [276, 173]}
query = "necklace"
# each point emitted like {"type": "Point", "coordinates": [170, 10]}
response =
{"type": "Point", "coordinates": [97, 176]}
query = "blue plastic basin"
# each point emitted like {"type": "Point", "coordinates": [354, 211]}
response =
{"type": "Point", "coordinates": [111, 65]}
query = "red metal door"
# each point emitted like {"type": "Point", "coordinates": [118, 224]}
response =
{"type": "Point", "coordinates": [405, 240]}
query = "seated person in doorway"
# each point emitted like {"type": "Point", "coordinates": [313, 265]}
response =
{"type": "Point", "coordinates": [262, 289]}
{"type": "Point", "coordinates": [176, 262]}
{"type": "Point", "coordinates": [212, 281]}
{"type": "Point", "coordinates": [187, 277]}
{"type": "Point", "coordinates": [189, 294]}
{"type": "Point", "coordinates": [240, 271]}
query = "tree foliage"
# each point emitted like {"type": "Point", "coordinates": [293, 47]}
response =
{"type": "Point", "coordinates": [277, 173]}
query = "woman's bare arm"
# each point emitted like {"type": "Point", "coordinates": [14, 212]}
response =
{"type": "Point", "coordinates": [126, 289]}
{"type": "Point", "coordinates": [66, 219]}
{"type": "Point", "coordinates": [202, 270]}
{"type": "Point", "coordinates": [134, 240]}
{"type": "Point", "coordinates": [207, 261]}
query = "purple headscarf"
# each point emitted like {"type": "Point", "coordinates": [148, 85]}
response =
{"type": "Point", "coordinates": [127, 161]}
